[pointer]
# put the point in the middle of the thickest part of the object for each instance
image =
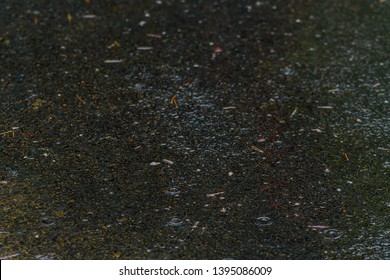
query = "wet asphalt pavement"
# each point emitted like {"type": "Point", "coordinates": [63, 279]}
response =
{"type": "Point", "coordinates": [194, 129]}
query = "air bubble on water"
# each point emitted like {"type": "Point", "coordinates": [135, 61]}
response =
{"type": "Point", "coordinates": [175, 222]}
{"type": "Point", "coordinates": [173, 191]}
{"type": "Point", "coordinates": [13, 172]}
{"type": "Point", "coordinates": [48, 221]}
{"type": "Point", "coordinates": [263, 221]}
{"type": "Point", "coordinates": [331, 234]}
{"type": "Point", "coordinates": [287, 71]}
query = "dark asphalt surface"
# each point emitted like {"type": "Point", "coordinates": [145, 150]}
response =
{"type": "Point", "coordinates": [194, 129]}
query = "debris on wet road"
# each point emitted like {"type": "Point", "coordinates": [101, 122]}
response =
{"type": "Point", "coordinates": [194, 130]}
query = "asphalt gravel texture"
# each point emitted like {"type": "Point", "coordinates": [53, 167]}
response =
{"type": "Point", "coordinates": [194, 129]}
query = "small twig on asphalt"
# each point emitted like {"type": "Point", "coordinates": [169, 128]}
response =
{"type": "Point", "coordinates": [144, 48]}
{"type": "Point", "coordinates": [174, 102]}
{"type": "Point", "coordinates": [80, 99]}
{"type": "Point", "coordinates": [69, 17]}
{"type": "Point", "coordinates": [324, 107]}
{"type": "Point", "coordinates": [158, 36]}
{"type": "Point", "coordinates": [294, 112]}
{"type": "Point", "coordinates": [214, 194]}
{"type": "Point", "coordinates": [228, 108]}
{"type": "Point", "coordinates": [113, 61]}
{"type": "Point", "coordinates": [257, 149]}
